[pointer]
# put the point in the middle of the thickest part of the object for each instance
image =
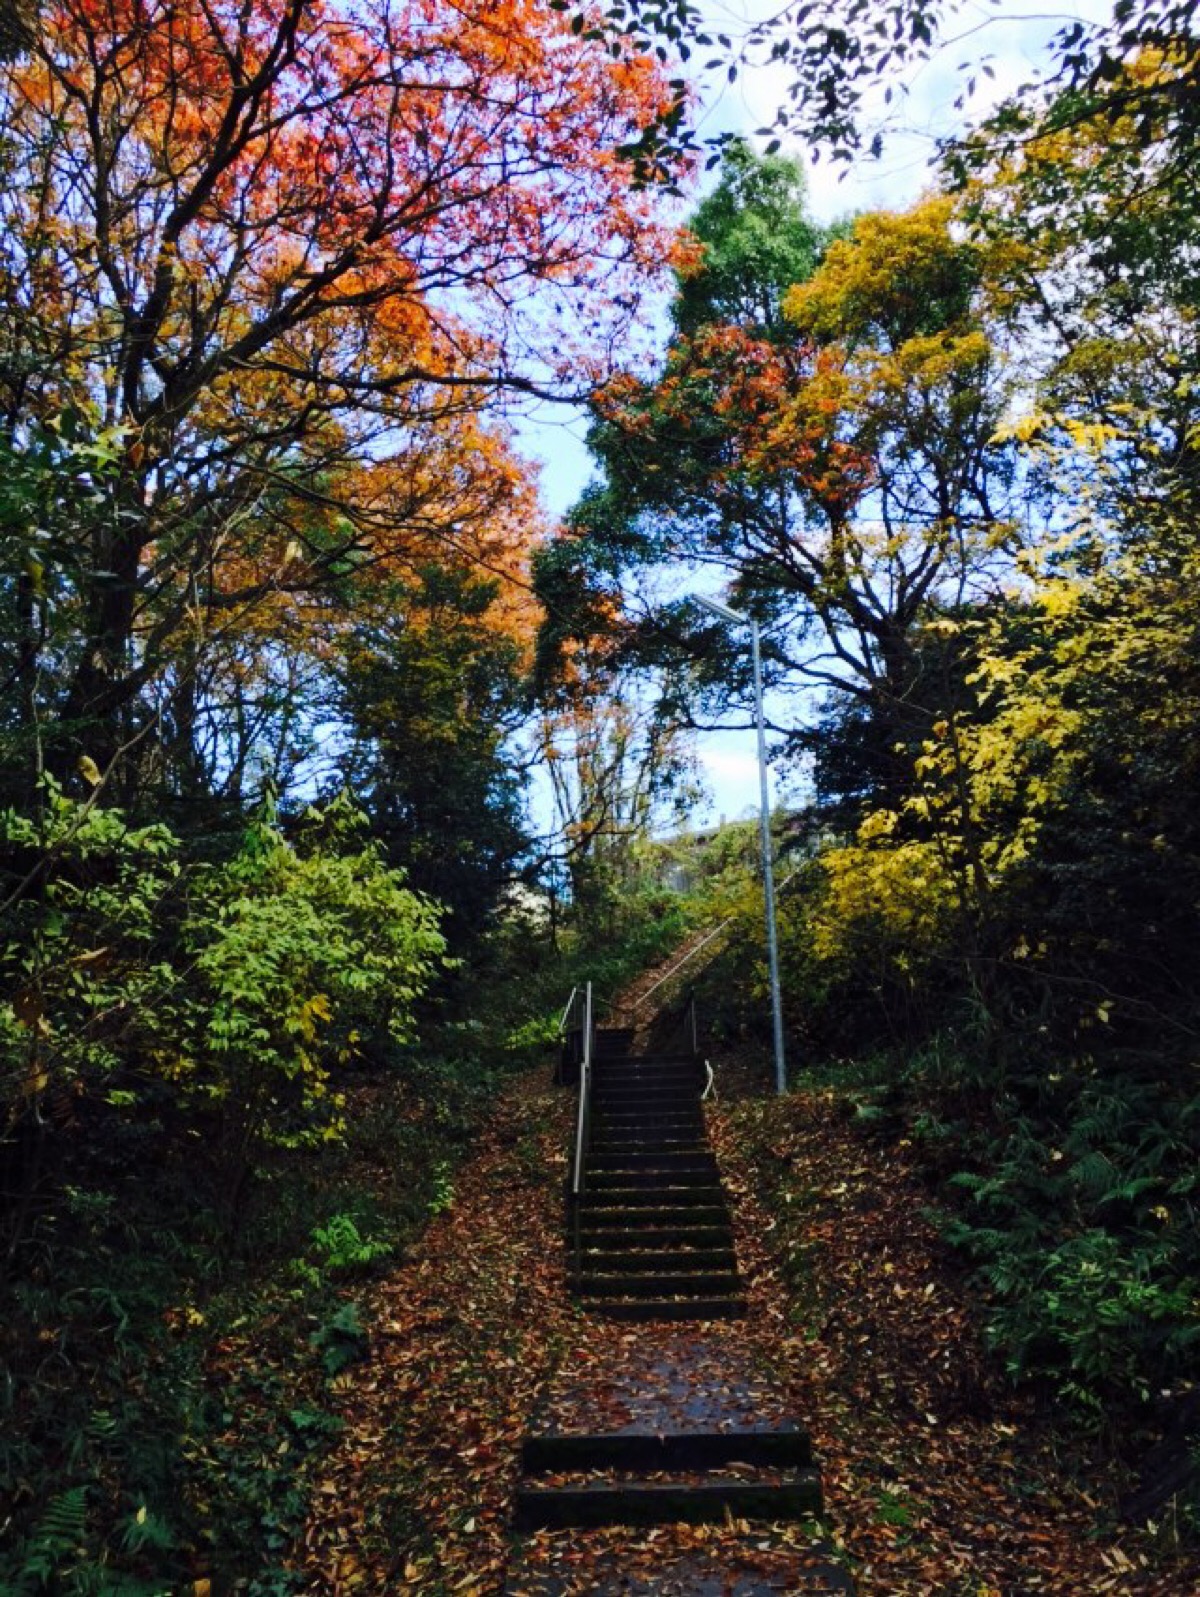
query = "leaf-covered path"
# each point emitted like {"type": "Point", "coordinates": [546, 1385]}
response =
{"type": "Point", "coordinates": [675, 1382]}
{"type": "Point", "coordinates": [936, 1481]}
{"type": "Point", "coordinates": [939, 1482]}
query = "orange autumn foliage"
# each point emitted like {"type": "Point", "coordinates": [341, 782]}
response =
{"type": "Point", "coordinates": [295, 250]}
{"type": "Point", "coordinates": [779, 410]}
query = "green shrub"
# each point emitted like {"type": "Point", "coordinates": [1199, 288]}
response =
{"type": "Point", "coordinates": [241, 986]}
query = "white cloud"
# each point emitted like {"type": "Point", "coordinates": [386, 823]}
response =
{"type": "Point", "coordinates": [729, 766]}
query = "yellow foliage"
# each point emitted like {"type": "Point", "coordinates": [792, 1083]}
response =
{"type": "Point", "coordinates": [310, 1015]}
{"type": "Point", "coordinates": [897, 901]}
{"type": "Point", "coordinates": [885, 269]}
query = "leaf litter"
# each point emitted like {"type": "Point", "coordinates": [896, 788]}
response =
{"type": "Point", "coordinates": [939, 1481]}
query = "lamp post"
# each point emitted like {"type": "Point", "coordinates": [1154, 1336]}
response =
{"type": "Point", "coordinates": [726, 613]}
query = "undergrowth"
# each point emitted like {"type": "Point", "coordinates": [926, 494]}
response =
{"type": "Point", "coordinates": [1066, 1183]}
{"type": "Point", "coordinates": [172, 1362]}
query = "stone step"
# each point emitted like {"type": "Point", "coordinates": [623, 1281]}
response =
{"type": "Point", "coordinates": [627, 1260]}
{"type": "Point", "coordinates": [682, 1285]}
{"type": "Point", "coordinates": [649, 1120]}
{"type": "Point", "coordinates": [607, 1180]}
{"type": "Point", "coordinates": [647, 1104]}
{"type": "Point", "coordinates": [661, 1236]}
{"type": "Point", "coordinates": [632, 1114]}
{"type": "Point", "coordinates": [651, 1061]}
{"type": "Point", "coordinates": [638, 1159]}
{"type": "Point", "coordinates": [709, 1196]}
{"type": "Point", "coordinates": [664, 1503]}
{"type": "Point", "coordinates": [629, 1142]}
{"type": "Point", "coordinates": [675, 1125]}
{"type": "Point", "coordinates": [782, 1445]}
{"type": "Point", "coordinates": [658, 1116]}
{"type": "Point", "coordinates": [641, 1065]}
{"type": "Point", "coordinates": [645, 1309]}
{"type": "Point", "coordinates": [670, 1078]}
{"type": "Point", "coordinates": [616, 1141]}
{"type": "Point", "coordinates": [649, 1147]}
{"type": "Point", "coordinates": [689, 1085]}
{"type": "Point", "coordinates": [647, 1064]}
{"type": "Point", "coordinates": [609, 1070]}
{"type": "Point", "coordinates": [614, 1036]}
{"type": "Point", "coordinates": [653, 1217]}
{"type": "Point", "coordinates": [650, 1114]}
{"type": "Point", "coordinates": [616, 1565]}
{"type": "Point", "coordinates": [654, 1101]}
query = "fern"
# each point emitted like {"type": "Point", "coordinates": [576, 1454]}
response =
{"type": "Point", "coordinates": [147, 1531]}
{"type": "Point", "coordinates": [1127, 1191]}
{"type": "Point", "coordinates": [1094, 1173]}
{"type": "Point", "coordinates": [344, 1246]}
{"type": "Point", "coordinates": [58, 1536]}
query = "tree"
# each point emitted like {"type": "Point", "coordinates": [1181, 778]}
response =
{"type": "Point", "coordinates": [234, 988]}
{"type": "Point", "coordinates": [615, 766]}
{"type": "Point", "coordinates": [1088, 226]}
{"type": "Point", "coordinates": [18, 22]}
{"type": "Point", "coordinates": [433, 695]}
{"type": "Point", "coordinates": [756, 241]}
{"type": "Point", "coordinates": [840, 60]}
{"type": "Point", "coordinates": [268, 244]}
{"type": "Point", "coordinates": [839, 467]}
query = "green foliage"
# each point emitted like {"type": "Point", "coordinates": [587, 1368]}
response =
{"type": "Point", "coordinates": [895, 1509]}
{"type": "Point", "coordinates": [1107, 1316]}
{"type": "Point", "coordinates": [177, 1019]}
{"type": "Point", "coordinates": [832, 447]}
{"type": "Point", "coordinates": [342, 1247]}
{"type": "Point", "coordinates": [57, 1540]}
{"type": "Point", "coordinates": [442, 1195]}
{"type": "Point", "coordinates": [56, 480]}
{"type": "Point", "coordinates": [237, 987]}
{"type": "Point", "coordinates": [288, 995]}
{"type": "Point", "coordinates": [757, 242]}
{"type": "Point", "coordinates": [341, 1341]}
{"type": "Point", "coordinates": [165, 1272]}
{"type": "Point", "coordinates": [1016, 937]}
{"type": "Point", "coordinates": [431, 696]}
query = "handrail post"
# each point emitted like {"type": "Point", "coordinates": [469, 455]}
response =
{"type": "Point", "coordinates": [582, 1129]}
{"type": "Point", "coordinates": [566, 1033]}
{"type": "Point", "coordinates": [719, 608]}
{"type": "Point", "coordinates": [585, 1088]}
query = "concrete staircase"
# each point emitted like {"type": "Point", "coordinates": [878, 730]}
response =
{"type": "Point", "coordinates": [692, 1477]}
{"type": "Point", "coordinates": [651, 1231]}
{"type": "Point", "coordinates": [673, 1425]}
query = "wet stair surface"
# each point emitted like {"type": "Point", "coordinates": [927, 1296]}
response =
{"type": "Point", "coordinates": [654, 1239]}
{"type": "Point", "coordinates": [660, 1442]}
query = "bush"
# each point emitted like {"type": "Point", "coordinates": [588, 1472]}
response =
{"type": "Point", "coordinates": [239, 987]}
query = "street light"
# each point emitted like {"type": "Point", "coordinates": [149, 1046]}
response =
{"type": "Point", "coordinates": [726, 613]}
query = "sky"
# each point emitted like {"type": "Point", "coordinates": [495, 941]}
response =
{"type": "Point", "coordinates": [1014, 40]}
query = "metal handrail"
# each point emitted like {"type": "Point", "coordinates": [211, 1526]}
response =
{"type": "Point", "coordinates": [570, 1035]}
{"type": "Point", "coordinates": [577, 993]}
{"type": "Point", "coordinates": [700, 947]}
{"type": "Point", "coordinates": [583, 1122]}
{"type": "Point", "coordinates": [690, 955]}
{"type": "Point", "coordinates": [563, 1028]}
{"type": "Point", "coordinates": [583, 1131]}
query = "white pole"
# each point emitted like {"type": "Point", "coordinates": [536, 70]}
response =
{"type": "Point", "coordinates": [767, 868]}
{"type": "Point", "coordinates": [727, 613]}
